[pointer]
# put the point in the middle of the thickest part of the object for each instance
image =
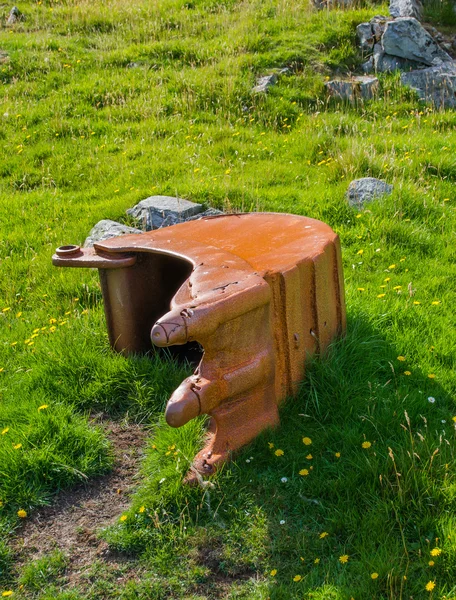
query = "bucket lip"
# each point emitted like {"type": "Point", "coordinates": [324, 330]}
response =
{"type": "Point", "coordinates": [67, 250]}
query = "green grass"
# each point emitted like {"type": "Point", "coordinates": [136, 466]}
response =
{"type": "Point", "coordinates": [83, 136]}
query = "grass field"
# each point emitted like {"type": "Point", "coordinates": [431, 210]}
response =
{"type": "Point", "coordinates": [104, 103]}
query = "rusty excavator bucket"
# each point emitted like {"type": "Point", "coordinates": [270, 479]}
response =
{"type": "Point", "coordinates": [259, 292]}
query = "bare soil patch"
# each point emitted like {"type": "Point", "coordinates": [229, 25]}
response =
{"type": "Point", "coordinates": [72, 521]}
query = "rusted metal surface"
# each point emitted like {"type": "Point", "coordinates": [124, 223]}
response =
{"type": "Point", "coordinates": [259, 292]}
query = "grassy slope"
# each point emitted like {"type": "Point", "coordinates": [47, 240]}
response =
{"type": "Point", "coordinates": [83, 137]}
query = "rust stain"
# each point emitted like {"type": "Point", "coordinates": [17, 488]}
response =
{"type": "Point", "coordinates": [259, 292]}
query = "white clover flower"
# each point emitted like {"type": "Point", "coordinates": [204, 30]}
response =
{"type": "Point", "coordinates": [431, 399]}
{"type": "Point", "coordinates": [282, 522]}
{"type": "Point", "coordinates": [284, 480]}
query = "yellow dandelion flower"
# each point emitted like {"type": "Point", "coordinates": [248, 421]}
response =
{"type": "Point", "coordinates": [142, 509]}
{"type": "Point", "coordinates": [316, 561]}
{"type": "Point", "coordinates": [306, 441]}
{"type": "Point", "coordinates": [17, 446]}
{"type": "Point", "coordinates": [401, 358]}
{"type": "Point", "coordinates": [431, 376]}
{"type": "Point", "coordinates": [323, 535]}
{"type": "Point", "coordinates": [387, 279]}
{"type": "Point", "coordinates": [453, 418]}
{"type": "Point", "coordinates": [271, 445]}
{"type": "Point", "coordinates": [436, 552]}
{"type": "Point", "coordinates": [52, 321]}
{"type": "Point", "coordinates": [361, 289]}
{"type": "Point", "coordinates": [21, 513]}
{"type": "Point", "coordinates": [19, 314]}
{"type": "Point", "coordinates": [297, 578]}
{"type": "Point", "coordinates": [343, 559]}
{"type": "Point", "coordinates": [7, 593]}
{"type": "Point", "coordinates": [416, 302]}
{"type": "Point", "coordinates": [309, 457]}
{"type": "Point", "coordinates": [366, 445]}
{"type": "Point", "coordinates": [407, 372]}
{"type": "Point", "coordinates": [337, 454]}
{"type": "Point", "coordinates": [304, 472]}
{"type": "Point", "coordinates": [6, 309]}
{"type": "Point", "coordinates": [279, 452]}
{"type": "Point", "coordinates": [392, 267]}
{"type": "Point", "coordinates": [360, 252]}
{"type": "Point", "coordinates": [430, 585]}
{"type": "Point", "coordinates": [7, 429]}
{"type": "Point", "coordinates": [43, 407]}
{"type": "Point", "coordinates": [381, 295]}
{"type": "Point", "coordinates": [374, 575]}
{"type": "Point", "coordinates": [431, 563]}
{"type": "Point", "coordinates": [123, 518]}
{"type": "Point", "coordinates": [397, 287]}
{"type": "Point", "coordinates": [273, 573]}
{"type": "Point", "coordinates": [435, 303]}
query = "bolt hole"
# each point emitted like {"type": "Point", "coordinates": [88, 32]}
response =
{"type": "Point", "coordinates": [68, 250]}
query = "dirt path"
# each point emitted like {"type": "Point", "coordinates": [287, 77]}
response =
{"type": "Point", "coordinates": [70, 524]}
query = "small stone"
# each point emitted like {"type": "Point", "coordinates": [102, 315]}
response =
{"type": "Point", "coordinates": [15, 16]}
{"type": "Point", "coordinates": [162, 211]}
{"type": "Point", "coordinates": [264, 83]}
{"type": "Point", "coordinates": [406, 38]}
{"type": "Point", "coordinates": [406, 8]}
{"type": "Point", "coordinates": [435, 84]}
{"type": "Point", "coordinates": [435, 33]}
{"type": "Point", "coordinates": [367, 189]}
{"type": "Point", "coordinates": [453, 44]}
{"type": "Point", "coordinates": [365, 36]}
{"type": "Point", "coordinates": [106, 229]}
{"type": "Point", "coordinates": [357, 88]}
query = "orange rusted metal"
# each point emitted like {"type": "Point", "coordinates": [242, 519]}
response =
{"type": "Point", "coordinates": [259, 292]}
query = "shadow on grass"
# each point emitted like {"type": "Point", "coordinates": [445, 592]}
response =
{"type": "Point", "coordinates": [359, 468]}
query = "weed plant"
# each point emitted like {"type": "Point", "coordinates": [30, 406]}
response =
{"type": "Point", "coordinates": [106, 103]}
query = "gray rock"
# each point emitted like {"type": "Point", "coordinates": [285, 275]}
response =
{"type": "Point", "coordinates": [378, 24]}
{"type": "Point", "coordinates": [435, 84]}
{"type": "Point", "coordinates": [106, 229]}
{"type": "Point", "coordinates": [15, 16]}
{"type": "Point", "coordinates": [210, 212]}
{"type": "Point", "coordinates": [357, 88]}
{"type": "Point", "coordinates": [367, 189]}
{"type": "Point", "coordinates": [162, 211]}
{"type": "Point", "coordinates": [386, 63]}
{"type": "Point", "coordinates": [406, 38]}
{"type": "Point", "coordinates": [453, 44]}
{"type": "Point", "coordinates": [365, 36]}
{"type": "Point", "coordinates": [406, 8]}
{"type": "Point", "coordinates": [435, 33]}
{"type": "Point", "coordinates": [368, 66]}
{"type": "Point", "coordinates": [264, 83]}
